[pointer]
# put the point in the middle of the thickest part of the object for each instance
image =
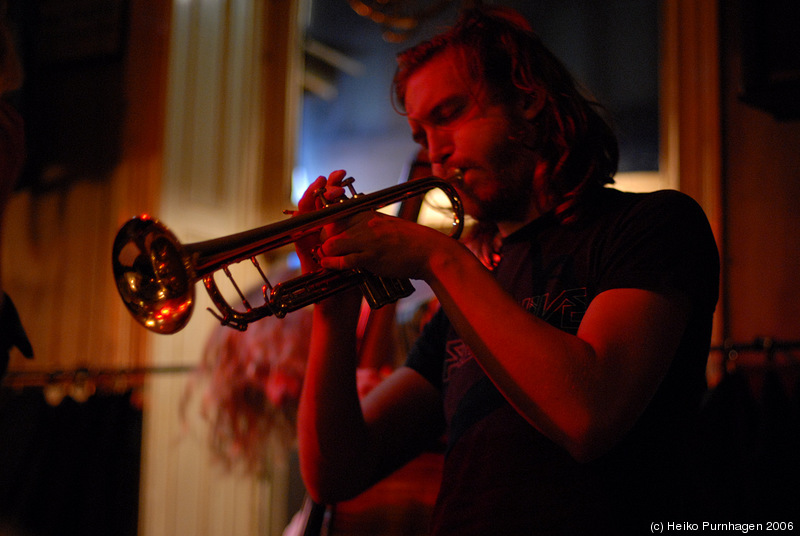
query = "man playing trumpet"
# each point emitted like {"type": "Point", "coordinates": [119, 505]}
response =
{"type": "Point", "coordinates": [565, 365]}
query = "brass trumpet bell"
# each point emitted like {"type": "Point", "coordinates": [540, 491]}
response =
{"type": "Point", "coordinates": [152, 278]}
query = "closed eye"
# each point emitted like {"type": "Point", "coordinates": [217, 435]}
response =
{"type": "Point", "coordinates": [449, 111]}
{"type": "Point", "coordinates": [443, 115]}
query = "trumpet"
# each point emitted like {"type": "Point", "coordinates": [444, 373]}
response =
{"type": "Point", "coordinates": [155, 274]}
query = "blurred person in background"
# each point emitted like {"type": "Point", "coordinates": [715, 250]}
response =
{"type": "Point", "coordinates": [12, 156]}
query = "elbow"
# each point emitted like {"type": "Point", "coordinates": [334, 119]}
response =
{"type": "Point", "coordinates": [317, 484]}
{"type": "Point", "coordinates": [591, 430]}
{"type": "Point", "coordinates": [311, 481]}
{"type": "Point", "coordinates": [586, 451]}
{"type": "Point", "coordinates": [594, 440]}
{"type": "Point", "coordinates": [321, 473]}
{"type": "Point", "coordinates": [326, 485]}
{"type": "Point", "coordinates": [320, 493]}
{"type": "Point", "coordinates": [321, 489]}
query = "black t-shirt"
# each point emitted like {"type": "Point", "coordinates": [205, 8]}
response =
{"type": "Point", "coordinates": [501, 475]}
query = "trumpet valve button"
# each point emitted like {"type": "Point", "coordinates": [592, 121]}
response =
{"type": "Point", "coordinates": [320, 193]}
{"type": "Point", "coordinates": [348, 183]}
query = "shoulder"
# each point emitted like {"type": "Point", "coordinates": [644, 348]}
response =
{"type": "Point", "coordinates": [664, 214]}
{"type": "Point", "coordinates": [664, 234]}
{"type": "Point", "coordinates": [671, 210]}
{"type": "Point", "coordinates": [671, 199]}
{"type": "Point", "coordinates": [621, 200]}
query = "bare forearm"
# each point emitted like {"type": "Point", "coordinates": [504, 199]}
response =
{"type": "Point", "coordinates": [514, 348]}
{"type": "Point", "coordinates": [581, 391]}
{"type": "Point", "coordinates": [331, 428]}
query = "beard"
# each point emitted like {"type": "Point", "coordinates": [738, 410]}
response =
{"type": "Point", "coordinates": [510, 196]}
{"type": "Point", "coordinates": [511, 202]}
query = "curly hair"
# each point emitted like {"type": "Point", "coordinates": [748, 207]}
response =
{"type": "Point", "coordinates": [501, 49]}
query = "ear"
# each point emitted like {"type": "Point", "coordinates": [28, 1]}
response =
{"type": "Point", "coordinates": [532, 103]}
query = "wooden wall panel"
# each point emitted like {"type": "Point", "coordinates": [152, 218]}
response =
{"type": "Point", "coordinates": [56, 249]}
{"type": "Point", "coordinates": [227, 67]}
{"type": "Point", "coordinates": [691, 130]}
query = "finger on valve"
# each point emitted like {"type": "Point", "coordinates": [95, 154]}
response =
{"type": "Point", "coordinates": [334, 189]}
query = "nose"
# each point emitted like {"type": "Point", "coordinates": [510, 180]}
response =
{"type": "Point", "coordinates": [440, 146]}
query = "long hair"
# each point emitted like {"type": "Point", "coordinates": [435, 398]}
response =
{"type": "Point", "coordinates": [500, 48]}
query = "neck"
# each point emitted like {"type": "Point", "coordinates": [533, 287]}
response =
{"type": "Point", "coordinates": [506, 228]}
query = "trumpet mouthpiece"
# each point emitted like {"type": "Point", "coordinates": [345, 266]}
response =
{"type": "Point", "coordinates": [455, 176]}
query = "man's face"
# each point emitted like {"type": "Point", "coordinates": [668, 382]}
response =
{"type": "Point", "coordinates": [455, 119]}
